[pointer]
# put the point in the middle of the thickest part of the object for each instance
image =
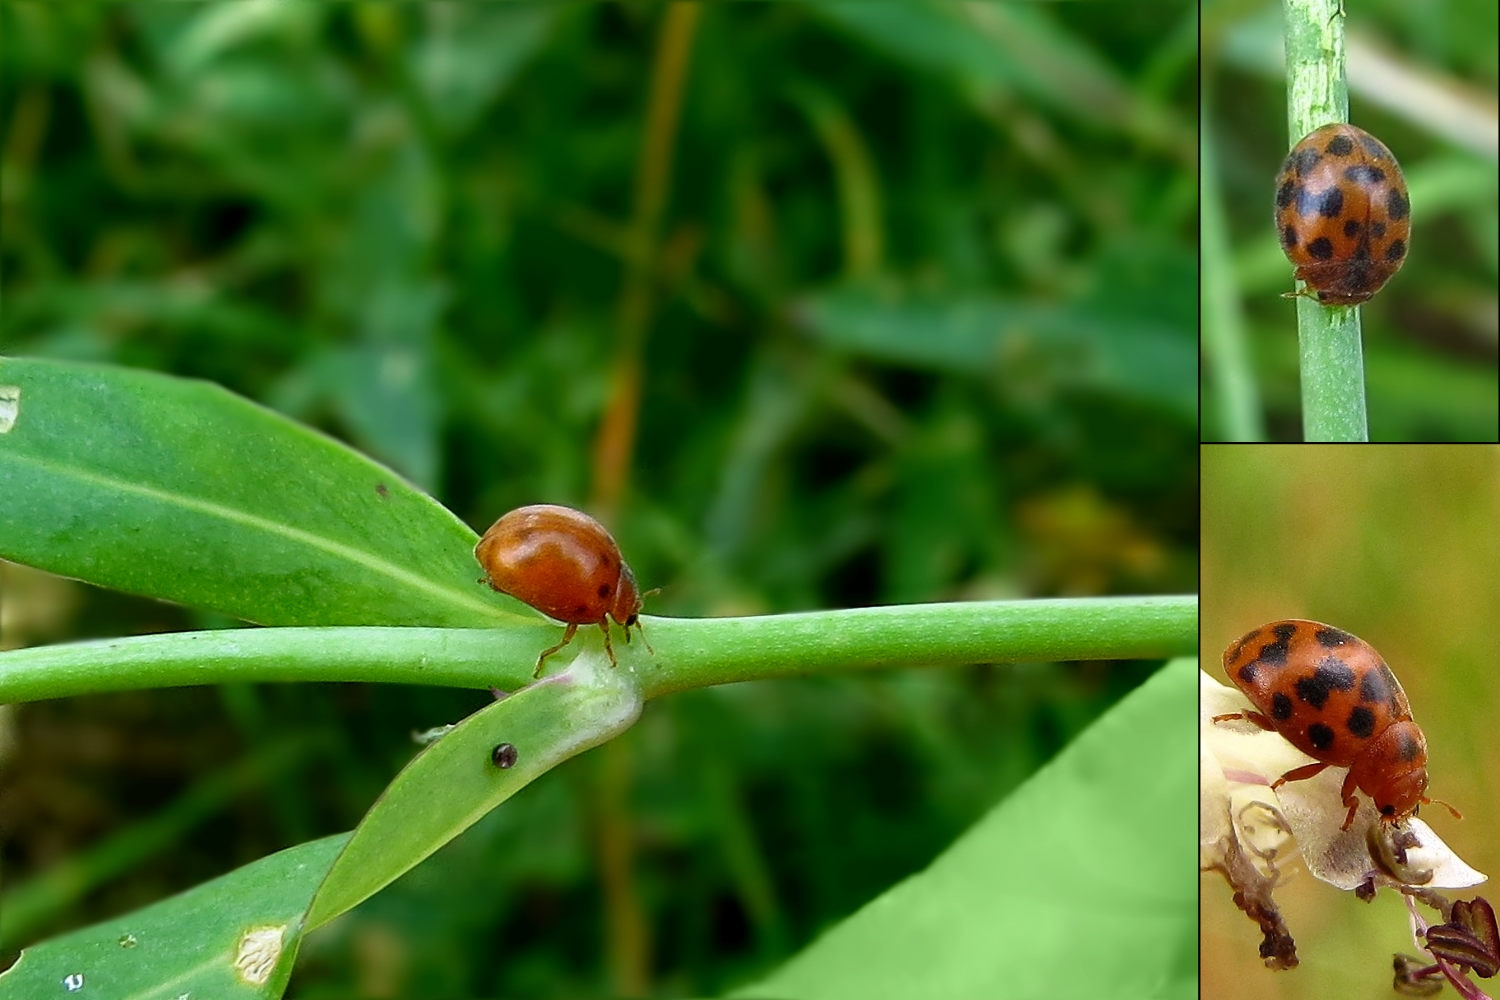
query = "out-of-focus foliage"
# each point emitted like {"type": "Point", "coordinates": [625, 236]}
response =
{"type": "Point", "coordinates": [916, 323]}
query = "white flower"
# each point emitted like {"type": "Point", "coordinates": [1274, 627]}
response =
{"type": "Point", "coordinates": [1257, 836]}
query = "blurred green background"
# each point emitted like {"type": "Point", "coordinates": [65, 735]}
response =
{"type": "Point", "coordinates": [1422, 76]}
{"type": "Point", "coordinates": [1400, 546]}
{"type": "Point", "coordinates": [862, 303]}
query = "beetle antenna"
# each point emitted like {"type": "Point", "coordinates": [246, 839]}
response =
{"type": "Point", "coordinates": [1455, 812]}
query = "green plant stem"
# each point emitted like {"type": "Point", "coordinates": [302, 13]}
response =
{"type": "Point", "coordinates": [1333, 375]}
{"type": "Point", "coordinates": [690, 652]}
{"type": "Point", "coordinates": [702, 652]}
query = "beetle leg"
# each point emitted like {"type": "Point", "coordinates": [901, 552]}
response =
{"type": "Point", "coordinates": [604, 625]}
{"type": "Point", "coordinates": [567, 638]}
{"type": "Point", "coordinates": [1301, 774]}
{"type": "Point", "coordinates": [1255, 717]}
{"type": "Point", "coordinates": [1312, 770]}
{"type": "Point", "coordinates": [627, 625]}
{"type": "Point", "coordinates": [1349, 799]}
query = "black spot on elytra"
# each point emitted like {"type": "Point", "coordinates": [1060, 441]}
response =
{"type": "Point", "coordinates": [1286, 193]}
{"type": "Point", "coordinates": [1288, 236]}
{"type": "Point", "coordinates": [1333, 638]}
{"type": "Point", "coordinates": [1362, 722]}
{"type": "Point", "coordinates": [1283, 634]}
{"type": "Point", "coordinates": [1331, 675]}
{"type": "Point", "coordinates": [1375, 686]}
{"type": "Point", "coordinates": [1281, 707]}
{"type": "Point", "coordinates": [1320, 248]}
{"type": "Point", "coordinates": [1410, 749]}
{"type": "Point", "coordinates": [1397, 204]}
{"type": "Point", "coordinates": [1396, 251]}
{"type": "Point", "coordinates": [1272, 654]}
{"type": "Point", "coordinates": [1320, 736]}
{"type": "Point", "coordinates": [1340, 145]}
{"type": "Point", "coordinates": [604, 589]}
{"type": "Point", "coordinates": [1352, 228]}
{"type": "Point", "coordinates": [1303, 160]}
{"type": "Point", "coordinates": [1374, 148]}
{"type": "Point", "coordinates": [1377, 230]}
{"type": "Point", "coordinates": [1364, 173]}
{"type": "Point", "coordinates": [1328, 204]}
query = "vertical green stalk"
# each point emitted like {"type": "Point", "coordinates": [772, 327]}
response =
{"type": "Point", "coordinates": [1333, 376]}
{"type": "Point", "coordinates": [1333, 372]}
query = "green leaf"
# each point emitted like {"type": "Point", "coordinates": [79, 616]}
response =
{"type": "Point", "coordinates": [453, 783]}
{"type": "Point", "coordinates": [993, 52]}
{"type": "Point", "coordinates": [1081, 884]}
{"type": "Point", "coordinates": [190, 944]}
{"type": "Point", "coordinates": [1104, 345]}
{"type": "Point", "coordinates": [469, 56]}
{"type": "Point", "coordinates": [177, 489]}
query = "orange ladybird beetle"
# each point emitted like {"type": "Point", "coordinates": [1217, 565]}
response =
{"type": "Point", "coordinates": [566, 565]}
{"type": "Point", "coordinates": [1332, 696]}
{"type": "Point", "coordinates": [1342, 213]}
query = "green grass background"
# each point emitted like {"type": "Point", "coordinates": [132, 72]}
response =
{"type": "Point", "coordinates": [920, 324]}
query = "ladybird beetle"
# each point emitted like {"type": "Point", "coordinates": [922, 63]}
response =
{"type": "Point", "coordinates": [1343, 214]}
{"type": "Point", "coordinates": [1332, 696]}
{"type": "Point", "coordinates": [566, 565]}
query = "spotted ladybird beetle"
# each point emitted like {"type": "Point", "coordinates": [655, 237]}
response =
{"type": "Point", "coordinates": [1343, 214]}
{"type": "Point", "coordinates": [1333, 697]}
{"type": "Point", "coordinates": [566, 565]}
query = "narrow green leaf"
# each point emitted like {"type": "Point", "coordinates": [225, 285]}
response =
{"type": "Point", "coordinates": [454, 782]}
{"type": "Point", "coordinates": [237, 508]}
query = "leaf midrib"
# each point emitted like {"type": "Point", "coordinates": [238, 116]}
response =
{"type": "Point", "coordinates": [355, 556]}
